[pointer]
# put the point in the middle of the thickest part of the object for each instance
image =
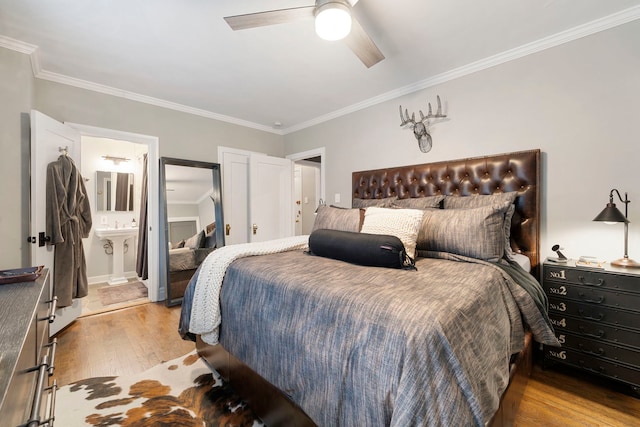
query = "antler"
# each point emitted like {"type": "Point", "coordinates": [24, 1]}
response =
{"type": "Point", "coordinates": [405, 119]}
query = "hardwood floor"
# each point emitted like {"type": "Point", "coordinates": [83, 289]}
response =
{"type": "Point", "coordinates": [134, 339]}
{"type": "Point", "coordinates": [120, 342]}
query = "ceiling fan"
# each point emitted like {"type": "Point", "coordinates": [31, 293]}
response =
{"type": "Point", "coordinates": [334, 21]}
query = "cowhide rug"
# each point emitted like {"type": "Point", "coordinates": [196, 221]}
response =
{"type": "Point", "coordinates": [183, 392]}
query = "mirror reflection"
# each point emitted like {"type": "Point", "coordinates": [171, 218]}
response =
{"type": "Point", "coordinates": [114, 191]}
{"type": "Point", "coordinates": [192, 208]}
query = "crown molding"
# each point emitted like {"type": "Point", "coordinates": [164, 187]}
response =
{"type": "Point", "coordinates": [17, 45]}
{"type": "Point", "coordinates": [108, 90]}
{"type": "Point", "coordinates": [584, 30]}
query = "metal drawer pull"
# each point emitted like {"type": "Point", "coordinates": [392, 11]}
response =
{"type": "Point", "coordinates": [53, 345]}
{"type": "Point", "coordinates": [595, 301]}
{"type": "Point", "coordinates": [600, 351]}
{"type": "Point", "coordinates": [52, 409]}
{"type": "Point", "coordinates": [34, 419]}
{"type": "Point", "coordinates": [584, 282]}
{"type": "Point", "coordinates": [599, 318]}
{"type": "Point", "coordinates": [52, 309]}
{"type": "Point", "coordinates": [600, 333]}
{"type": "Point", "coordinates": [600, 370]}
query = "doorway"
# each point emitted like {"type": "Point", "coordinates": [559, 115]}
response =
{"type": "Point", "coordinates": [110, 141]}
{"type": "Point", "coordinates": [113, 172]}
{"type": "Point", "coordinates": [309, 187]}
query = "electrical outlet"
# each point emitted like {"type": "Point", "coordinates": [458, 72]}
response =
{"type": "Point", "coordinates": [336, 198]}
{"type": "Point", "coordinates": [104, 220]}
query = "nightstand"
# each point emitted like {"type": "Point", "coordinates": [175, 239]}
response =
{"type": "Point", "coordinates": [596, 317]}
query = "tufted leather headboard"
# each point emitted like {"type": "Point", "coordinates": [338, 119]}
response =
{"type": "Point", "coordinates": [519, 171]}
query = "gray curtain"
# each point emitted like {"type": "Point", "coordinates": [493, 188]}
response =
{"type": "Point", "coordinates": [142, 263]}
{"type": "Point", "coordinates": [122, 191]}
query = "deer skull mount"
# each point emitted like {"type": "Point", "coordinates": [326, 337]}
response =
{"type": "Point", "coordinates": [420, 128]}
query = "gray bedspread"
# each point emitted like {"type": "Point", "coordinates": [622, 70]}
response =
{"type": "Point", "coordinates": [368, 346]}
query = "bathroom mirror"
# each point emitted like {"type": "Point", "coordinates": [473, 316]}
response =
{"type": "Point", "coordinates": [114, 191]}
{"type": "Point", "coordinates": [191, 214]}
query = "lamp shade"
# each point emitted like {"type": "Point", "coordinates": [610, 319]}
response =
{"type": "Point", "coordinates": [611, 214]}
{"type": "Point", "coordinates": [333, 21]}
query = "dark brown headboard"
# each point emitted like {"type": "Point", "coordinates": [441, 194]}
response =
{"type": "Point", "coordinates": [519, 171]}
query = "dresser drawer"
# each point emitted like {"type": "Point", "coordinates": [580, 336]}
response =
{"type": "Point", "coordinates": [596, 278]}
{"type": "Point", "coordinates": [594, 330]}
{"type": "Point", "coordinates": [595, 313]}
{"type": "Point", "coordinates": [600, 348]}
{"type": "Point", "coordinates": [594, 295]}
{"type": "Point", "coordinates": [593, 364]}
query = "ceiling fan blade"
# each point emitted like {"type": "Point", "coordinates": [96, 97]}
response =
{"type": "Point", "coordinates": [362, 45]}
{"type": "Point", "coordinates": [271, 17]}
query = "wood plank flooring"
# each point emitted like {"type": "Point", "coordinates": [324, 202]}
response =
{"type": "Point", "coordinates": [134, 339]}
{"type": "Point", "coordinates": [121, 342]}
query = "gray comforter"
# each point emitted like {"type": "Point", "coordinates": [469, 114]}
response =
{"type": "Point", "coordinates": [367, 346]}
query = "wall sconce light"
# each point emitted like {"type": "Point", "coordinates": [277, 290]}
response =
{"type": "Point", "coordinates": [116, 160]}
{"type": "Point", "coordinates": [612, 215]}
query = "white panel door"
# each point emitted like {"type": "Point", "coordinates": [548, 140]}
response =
{"type": "Point", "coordinates": [235, 196]}
{"type": "Point", "coordinates": [48, 138]}
{"type": "Point", "coordinates": [270, 198]}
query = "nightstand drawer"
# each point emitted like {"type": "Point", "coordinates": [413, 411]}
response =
{"type": "Point", "coordinates": [594, 313]}
{"type": "Point", "coordinates": [601, 348]}
{"type": "Point", "coordinates": [593, 364]}
{"type": "Point", "coordinates": [597, 278]}
{"type": "Point", "coordinates": [594, 295]}
{"type": "Point", "coordinates": [594, 330]}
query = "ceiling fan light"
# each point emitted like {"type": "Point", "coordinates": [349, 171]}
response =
{"type": "Point", "coordinates": [333, 21]}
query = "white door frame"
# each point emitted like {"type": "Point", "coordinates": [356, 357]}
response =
{"type": "Point", "coordinates": [152, 143]}
{"type": "Point", "coordinates": [314, 153]}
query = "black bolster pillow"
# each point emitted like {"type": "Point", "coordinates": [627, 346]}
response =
{"type": "Point", "coordinates": [373, 250]}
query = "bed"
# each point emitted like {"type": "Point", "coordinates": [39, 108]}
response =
{"type": "Point", "coordinates": [311, 340]}
{"type": "Point", "coordinates": [185, 255]}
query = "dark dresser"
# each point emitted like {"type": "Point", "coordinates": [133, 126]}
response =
{"type": "Point", "coordinates": [596, 317]}
{"type": "Point", "coordinates": [26, 356]}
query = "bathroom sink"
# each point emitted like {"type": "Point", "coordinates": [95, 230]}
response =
{"type": "Point", "coordinates": [117, 237]}
{"type": "Point", "coordinates": [110, 233]}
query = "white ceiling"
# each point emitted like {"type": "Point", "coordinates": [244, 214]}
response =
{"type": "Point", "coordinates": [181, 53]}
{"type": "Point", "coordinates": [188, 185]}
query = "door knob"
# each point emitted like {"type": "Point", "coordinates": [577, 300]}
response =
{"type": "Point", "coordinates": [227, 229]}
{"type": "Point", "coordinates": [255, 228]}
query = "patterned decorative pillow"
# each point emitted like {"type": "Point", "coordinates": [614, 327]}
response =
{"type": "Point", "coordinates": [474, 201]}
{"type": "Point", "coordinates": [402, 223]}
{"type": "Point", "coordinates": [332, 218]}
{"type": "Point", "coordinates": [476, 232]}
{"type": "Point", "coordinates": [367, 203]}
{"type": "Point", "coordinates": [418, 202]}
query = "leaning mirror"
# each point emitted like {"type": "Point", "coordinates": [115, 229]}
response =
{"type": "Point", "coordinates": [190, 211]}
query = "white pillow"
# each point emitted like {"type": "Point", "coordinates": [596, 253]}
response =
{"type": "Point", "coordinates": [402, 223]}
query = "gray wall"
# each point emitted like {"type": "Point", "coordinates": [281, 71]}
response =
{"type": "Point", "coordinates": [181, 135]}
{"type": "Point", "coordinates": [578, 102]}
{"type": "Point", "coordinates": [16, 93]}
